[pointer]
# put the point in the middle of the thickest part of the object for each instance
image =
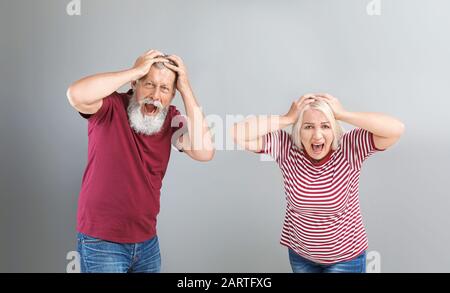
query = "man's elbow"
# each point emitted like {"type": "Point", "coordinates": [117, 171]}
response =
{"type": "Point", "coordinates": [72, 97]}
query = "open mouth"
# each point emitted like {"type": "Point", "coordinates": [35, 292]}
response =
{"type": "Point", "coordinates": [150, 109]}
{"type": "Point", "coordinates": [317, 148]}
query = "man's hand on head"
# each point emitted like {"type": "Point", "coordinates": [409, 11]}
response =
{"type": "Point", "coordinates": [180, 68]}
{"type": "Point", "coordinates": [145, 61]}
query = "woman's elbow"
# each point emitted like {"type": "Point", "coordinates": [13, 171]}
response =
{"type": "Point", "coordinates": [400, 129]}
{"type": "Point", "coordinates": [205, 156]}
{"type": "Point", "coordinates": [234, 130]}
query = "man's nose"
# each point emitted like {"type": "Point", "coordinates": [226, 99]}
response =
{"type": "Point", "coordinates": [156, 95]}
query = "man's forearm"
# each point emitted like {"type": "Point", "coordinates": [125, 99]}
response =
{"type": "Point", "coordinates": [90, 89]}
{"type": "Point", "coordinates": [198, 130]}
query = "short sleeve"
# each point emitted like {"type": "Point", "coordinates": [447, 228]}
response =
{"type": "Point", "coordinates": [277, 144]}
{"type": "Point", "coordinates": [178, 121]}
{"type": "Point", "coordinates": [357, 145]}
{"type": "Point", "coordinates": [106, 108]}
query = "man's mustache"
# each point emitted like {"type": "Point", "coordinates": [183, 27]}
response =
{"type": "Point", "coordinates": [148, 101]}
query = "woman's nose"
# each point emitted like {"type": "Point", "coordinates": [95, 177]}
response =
{"type": "Point", "coordinates": [317, 134]}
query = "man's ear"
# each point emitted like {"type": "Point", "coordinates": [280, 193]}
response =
{"type": "Point", "coordinates": [133, 84]}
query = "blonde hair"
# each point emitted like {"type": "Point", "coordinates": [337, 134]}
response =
{"type": "Point", "coordinates": [323, 107]}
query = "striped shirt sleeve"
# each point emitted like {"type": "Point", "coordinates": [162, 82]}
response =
{"type": "Point", "coordinates": [277, 144]}
{"type": "Point", "coordinates": [358, 145]}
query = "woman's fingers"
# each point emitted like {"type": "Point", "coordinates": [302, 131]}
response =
{"type": "Point", "coordinates": [326, 96]}
{"type": "Point", "coordinates": [305, 97]}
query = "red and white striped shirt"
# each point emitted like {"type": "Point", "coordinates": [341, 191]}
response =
{"type": "Point", "coordinates": [323, 221]}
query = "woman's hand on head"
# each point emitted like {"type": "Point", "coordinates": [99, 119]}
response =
{"type": "Point", "coordinates": [297, 106]}
{"type": "Point", "coordinates": [333, 102]}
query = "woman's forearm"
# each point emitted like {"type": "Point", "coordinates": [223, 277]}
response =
{"type": "Point", "coordinates": [257, 126]}
{"type": "Point", "coordinates": [377, 123]}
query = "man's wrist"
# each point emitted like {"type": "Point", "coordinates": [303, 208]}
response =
{"type": "Point", "coordinates": [133, 74]}
{"type": "Point", "coordinates": [185, 90]}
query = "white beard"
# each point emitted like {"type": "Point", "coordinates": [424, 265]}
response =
{"type": "Point", "coordinates": [142, 123]}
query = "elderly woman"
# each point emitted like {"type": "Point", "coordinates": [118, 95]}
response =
{"type": "Point", "coordinates": [323, 227]}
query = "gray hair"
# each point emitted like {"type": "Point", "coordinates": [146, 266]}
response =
{"type": "Point", "coordinates": [160, 65]}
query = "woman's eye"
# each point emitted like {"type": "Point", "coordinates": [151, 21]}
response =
{"type": "Point", "coordinates": [326, 126]}
{"type": "Point", "coordinates": [308, 127]}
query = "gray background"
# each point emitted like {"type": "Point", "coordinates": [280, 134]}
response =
{"type": "Point", "coordinates": [244, 57]}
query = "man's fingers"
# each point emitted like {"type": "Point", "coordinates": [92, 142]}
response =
{"type": "Point", "coordinates": [160, 59]}
{"type": "Point", "coordinates": [153, 51]}
{"type": "Point", "coordinates": [172, 67]}
{"type": "Point", "coordinates": [177, 60]}
{"type": "Point", "coordinates": [155, 59]}
{"type": "Point", "coordinates": [175, 57]}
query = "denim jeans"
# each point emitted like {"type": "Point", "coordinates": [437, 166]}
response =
{"type": "Point", "coordinates": [303, 265]}
{"type": "Point", "coordinates": [100, 256]}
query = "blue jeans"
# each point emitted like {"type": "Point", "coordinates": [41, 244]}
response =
{"type": "Point", "coordinates": [303, 265]}
{"type": "Point", "coordinates": [100, 256]}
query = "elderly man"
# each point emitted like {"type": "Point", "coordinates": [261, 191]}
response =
{"type": "Point", "coordinates": [130, 138]}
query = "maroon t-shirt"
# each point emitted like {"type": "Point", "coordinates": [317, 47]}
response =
{"type": "Point", "coordinates": [120, 190]}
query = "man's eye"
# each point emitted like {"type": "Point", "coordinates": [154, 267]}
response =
{"type": "Point", "coordinates": [164, 89]}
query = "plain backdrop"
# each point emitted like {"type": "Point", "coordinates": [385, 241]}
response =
{"type": "Point", "coordinates": [244, 57]}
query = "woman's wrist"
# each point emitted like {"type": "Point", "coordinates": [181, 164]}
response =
{"type": "Point", "coordinates": [286, 120]}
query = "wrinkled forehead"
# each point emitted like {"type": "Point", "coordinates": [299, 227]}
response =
{"type": "Point", "coordinates": [160, 75]}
